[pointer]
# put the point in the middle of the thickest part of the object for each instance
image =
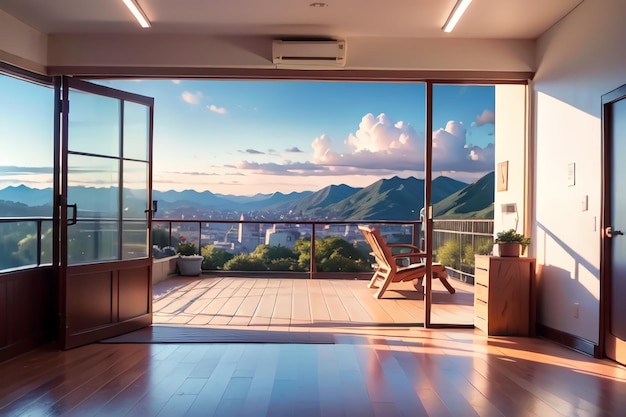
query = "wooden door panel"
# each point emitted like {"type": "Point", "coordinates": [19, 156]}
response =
{"type": "Point", "coordinates": [89, 300]}
{"type": "Point", "coordinates": [134, 284]}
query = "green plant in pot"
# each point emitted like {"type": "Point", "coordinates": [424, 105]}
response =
{"type": "Point", "coordinates": [189, 261]}
{"type": "Point", "coordinates": [511, 243]}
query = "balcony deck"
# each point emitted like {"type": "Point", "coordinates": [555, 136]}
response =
{"type": "Point", "coordinates": [302, 304]}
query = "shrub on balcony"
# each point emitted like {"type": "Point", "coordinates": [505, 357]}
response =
{"type": "Point", "coordinates": [449, 254]}
{"type": "Point", "coordinates": [160, 237]}
{"type": "Point", "coordinates": [187, 249]}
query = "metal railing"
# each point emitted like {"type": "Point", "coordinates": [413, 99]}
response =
{"type": "Point", "coordinates": [26, 242]}
{"type": "Point", "coordinates": [243, 236]}
{"type": "Point", "coordinates": [454, 241]}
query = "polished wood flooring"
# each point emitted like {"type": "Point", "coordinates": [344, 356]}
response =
{"type": "Point", "coordinates": [370, 370]}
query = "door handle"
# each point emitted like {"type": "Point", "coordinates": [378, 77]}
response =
{"type": "Point", "coordinates": [155, 207]}
{"type": "Point", "coordinates": [74, 208]}
{"type": "Point", "coordinates": [610, 233]}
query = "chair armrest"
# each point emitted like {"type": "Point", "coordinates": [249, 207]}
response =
{"type": "Point", "coordinates": [409, 255]}
{"type": "Point", "coordinates": [413, 257]}
{"type": "Point", "coordinates": [404, 245]}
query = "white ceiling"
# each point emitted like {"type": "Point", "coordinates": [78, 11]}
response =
{"type": "Point", "coordinates": [484, 19]}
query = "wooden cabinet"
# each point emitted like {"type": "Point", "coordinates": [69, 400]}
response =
{"type": "Point", "coordinates": [504, 295]}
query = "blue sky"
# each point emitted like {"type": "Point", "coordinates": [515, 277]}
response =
{"type": "Point", "coordinates": [248, 137]}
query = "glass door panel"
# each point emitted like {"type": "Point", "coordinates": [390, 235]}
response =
{"type": "Point", "coordinates": [134, 205]}
{"type": "Point", "coordinates": [463, 163]}
{"type": "Point", "coordinates": [136, 131]}
{"type": "Point", "coordinates": [94, 123]}
{"type": "Point", "coordinates": [93, 209]}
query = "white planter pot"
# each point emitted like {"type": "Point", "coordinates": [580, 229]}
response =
{"type": "Point", "coordinates": [190, 265]}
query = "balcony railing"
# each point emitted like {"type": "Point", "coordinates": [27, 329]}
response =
{"type": "Point", "coordinates": [28, 240]}
{"type": "Point", "coordinates": [244, 236]}
{"type": "Point", "coordinates": [457, 241]}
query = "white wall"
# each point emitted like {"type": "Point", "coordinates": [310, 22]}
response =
{"type": "Point", "coordinates": [578, 61]}
{"type": "Point", "coordinates": [22, 45]}
{"type": "Point", "coordinates": [196, 51]}
{"type": "Point", "coordinates": [511, 147]}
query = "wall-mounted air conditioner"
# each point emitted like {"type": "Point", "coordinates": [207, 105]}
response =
{"type": "Point", "coordinates": [309, 54]}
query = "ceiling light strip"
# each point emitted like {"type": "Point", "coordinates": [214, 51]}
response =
{"type": "Point", "coordinates": [457, 12]}
{"type": "Point", "coordinates": [137, 12]}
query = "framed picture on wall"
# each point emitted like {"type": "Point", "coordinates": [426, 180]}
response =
{"type": "Point", "coordinates": [502, 176]}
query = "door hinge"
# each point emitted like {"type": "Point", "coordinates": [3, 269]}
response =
{"type": "Point", "coordinates": [64, 106]}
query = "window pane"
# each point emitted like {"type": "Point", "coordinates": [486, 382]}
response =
{"type": "Point", "coordinates": [136, 131]}
{"type": "Point", "coordinates": [93, 187]}
{"type": "Point", "coordinates": [94, 124]}
{"type": "Point", "coordinates": [134, 239]}
{"type": "Point", "coordinates": [26, 169]}
{"type": "Point", "coordinates": [92, 240]}
{"type": "Point", "coordinates": [135, 203]}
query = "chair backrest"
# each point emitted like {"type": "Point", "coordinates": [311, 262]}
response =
{"type": "Point", "coordinates": [377, 242]}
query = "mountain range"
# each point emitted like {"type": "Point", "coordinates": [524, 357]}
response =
{"type": "Point", "coordinates": [386, 199]}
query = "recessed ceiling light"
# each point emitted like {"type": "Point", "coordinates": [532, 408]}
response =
{"type": "Point", "coordinates": [318, 4]}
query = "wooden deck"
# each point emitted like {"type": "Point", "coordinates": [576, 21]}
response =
{"type": "Point", "coordinates": [301, 304]}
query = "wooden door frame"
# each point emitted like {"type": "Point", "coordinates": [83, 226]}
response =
{"type": "Point", "coordinates": [605, 252]}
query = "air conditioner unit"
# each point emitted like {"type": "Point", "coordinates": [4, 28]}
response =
{"type": "Point", "coordinates": [309, 54]}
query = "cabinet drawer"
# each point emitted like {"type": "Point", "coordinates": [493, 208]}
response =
{"type": "Point", "coordinates": [480, 323]}
{"type": "Point", "coordinates": [481, 293]}
{"type": "Point", "coordinates": [481, 310]}
{"type": "Point", "coordinates": [481, 262]}
{"type": "Point", "coordinates": [481, 277]}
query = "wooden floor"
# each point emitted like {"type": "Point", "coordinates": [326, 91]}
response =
{"type": "Point", "coordinates": [301, 304]}
{"type": "Point", "coordinates": [384, 370]}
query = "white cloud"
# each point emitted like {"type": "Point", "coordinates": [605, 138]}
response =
{"type": "Point", "coordinates": [377, 144]}
{"type": "Point", "coordinates": [218, 110]}
{"type": "Point", "coordinates": [382, 146]}
{"type": "Point", "coordinates": [192, 98]}
{"type": "Point", "coordinates": [486, 117]}
{"type": "Point", "coordinates": [176, 81]}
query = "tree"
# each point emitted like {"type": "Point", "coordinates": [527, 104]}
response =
{"type": "Point", "coordinates": [243, 262]}
{"type": "Point", "coordinates": [214, 258]}
{"type": "Point", "coordinates": [449, 254]}
{"type": "Point", "coordinates": [333, 254]}
{"type": "Point", "coordinates": [270, 253]}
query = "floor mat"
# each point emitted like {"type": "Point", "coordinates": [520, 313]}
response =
{"type": "Point", "coordinates": [168, 334]}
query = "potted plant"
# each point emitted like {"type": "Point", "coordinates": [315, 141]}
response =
{"type": "Point", "coordinates": [189, 261]}
{"type": "Point", "coordinates": [511, 243]}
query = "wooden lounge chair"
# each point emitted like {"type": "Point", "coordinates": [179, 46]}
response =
{"type": "Point", "coordinates": [401, 266]}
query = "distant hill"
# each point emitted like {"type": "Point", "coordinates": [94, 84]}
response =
{"type": "Point", "coordinates": [474, 201]}
{"type": "Point", "coordinates": [322, 199]}
{"type": "Point", "coordinates": [393, 199]}
{"type": "Point", "coordinates": [386, 199]}
{"type": "Point", "coordinates": [27, 195]}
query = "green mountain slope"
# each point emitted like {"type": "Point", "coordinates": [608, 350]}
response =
{"type": "Point", "coordinates": [472, 202]}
